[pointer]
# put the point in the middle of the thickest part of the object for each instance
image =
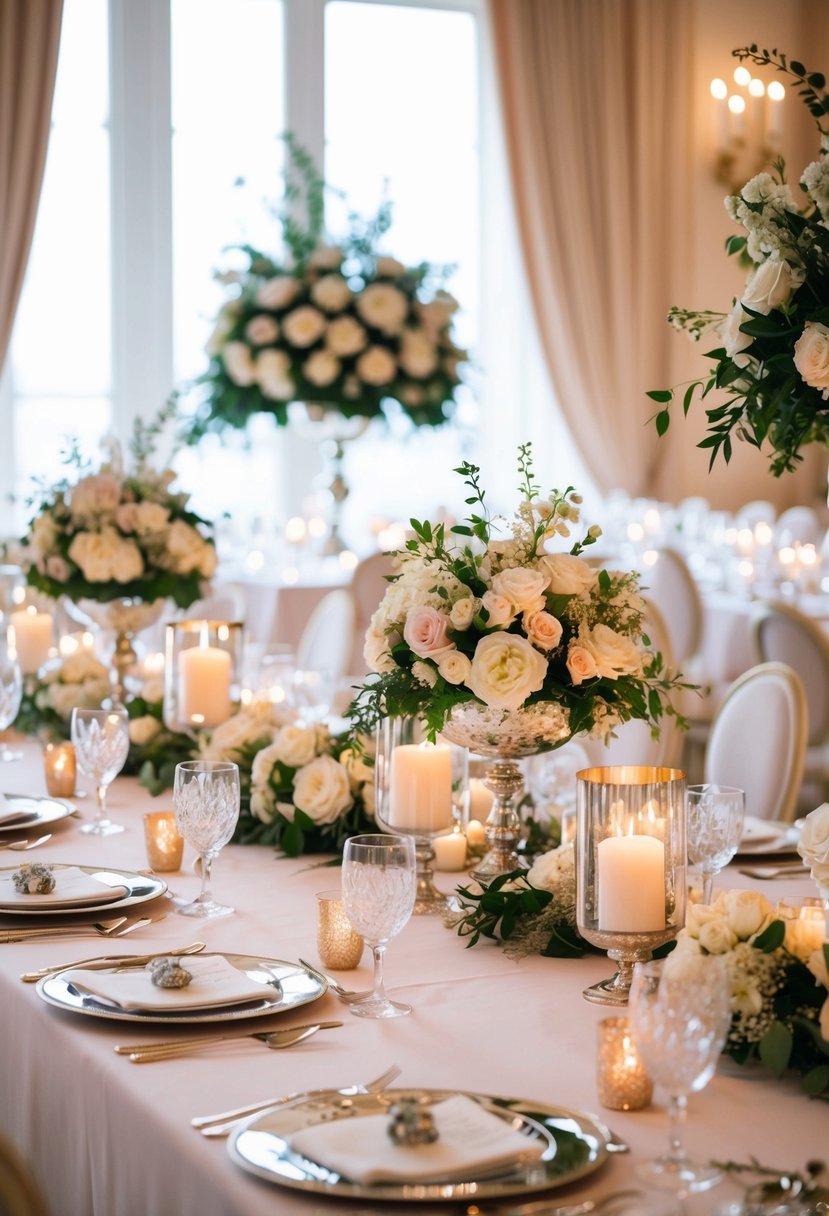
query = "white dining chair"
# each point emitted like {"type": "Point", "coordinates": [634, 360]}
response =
{"type": "Point", "coordinates": [327, 639]}
{"type": "Point", "coordinates": [368, 586]}
{"type": "Point", "coordinates": [757, 740]}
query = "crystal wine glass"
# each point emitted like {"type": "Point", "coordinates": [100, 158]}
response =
{"type": "Point", "coordinates": [11, 693]}
{"type": "Point", "coordinates": [378, 885]}
{"type": "Point", "coordinates": [680, 1011]}
{"type": "Point", "coordinates": [714, 829]}
{"type": "Point", "coordinates": [101, 739]}
{"type": "Point", "coordinates": [206, 800]}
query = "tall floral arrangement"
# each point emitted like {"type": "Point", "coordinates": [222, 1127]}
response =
{"type": "Point", "coordinates": [117, 532]}
{"type": "Point", "coordinates": [504, 622]}
{"type": "Point", "coordinates": [334, 323]}
{"type": "Point", "coordinates": [771, 361]}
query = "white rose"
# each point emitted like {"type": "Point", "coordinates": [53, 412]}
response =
{"type": "Point", "coordinates": [811, 356]}
{"type": "Point", "coordinates": [813, 845]}
{"type": "Point", "coordinates": [261, 330]}
{"type": "Point", "coordinates": [501, 612]}
{"type": "Point", "coordinates": [331, 293]}
{"type": "Point", "coordinates": [77, 668]}
{"type": "Point", "coordinates": [548, 870]}
{"type": "Point", "coordinates": [580, 663]}
{"type": "Point", "coordinates": [376, 366]}
{"type": "Point", "coordinates": [770, 286]}
{"type": "Point", "coordinates": [326, 257]}
{"type": "Point", "coordinates": [418, 354]}
{"type": "Point", "coordinates": [383, 307]}
{"type": "Point", "coordinates": [542, 629]}
{"type": "Point", "coordinates": [304, 326]}
{"type": "Point", "coordinates": [43, 535]}
{"type": "Point", "coordinates": [262, 804]}
{"type": "Point", "coordinates": [454, 667]}
{"type": "Point", "coordinates": [568, 575]}
{"type": "Point", "coordinates": [105, 555]}
{"type": "Point", "coordinates": [345, 336]}
{"type": "Point", "coordinates": [96, 495]}
{"type": "Point", "coordinates": [359, 773]}
{"type": "Point", "coordinates": [150, 517]}
{"type": "Point", "coordinates": [506, 669]}
{"type": "Point", "coordinates": [322, 790]}
{"type": "Point", "coordinates": [239, 363]}
{"type": "Point", "coordinates": [278, 292]}
{"type": "Point", "coordinates": [747, 912]}
{"type": "Point", "coordinates": [817, 965]}
{"type": "Point", "coordinates": [697, 915]}
{"type": "Point", "coordinates": [295, 745]}
{"type": "Point", "coordinates": [746, 995]}
{"type": "Point", "coordinates": [717, 937]}
{"type": "Point", "coordinates": [62, 699]}
{"type": "Point", "coordinates": [376, 652]}
{"type": "Point", "coordinates": [153, 689]}
{"type": "Point", "coordinates": [613, 654]}
{"type": "Point", "coordinates": [185, 547]}
{"type": "Point", "coordinates": [321, 368]}
{"type": "Point", "coordinates": [424, 674]}
{"type": "Point", "coordinates": [142, 729]}
{"type": "Point", "coordinates": [273, 374]}
{"type": "Point", "coordinates": [233, 734]}
{"type": "Point", "coordinates": [463, 612]}
{"type": "Point", "coordinates": [521, 586]}
{"type": "Point", "coordinates": [733, 339]}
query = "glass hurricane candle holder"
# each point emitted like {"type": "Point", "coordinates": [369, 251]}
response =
{"type": "Point", "coordinates": [630, 866]}
{"type": "Point", "coordinates": [202, 673]}
{"type": "Point", "coordinates": [31, 622]}
{"type": "Point", "coordinates": [421, 790]}
{"type": "Point", "coordinates": [60, 769]}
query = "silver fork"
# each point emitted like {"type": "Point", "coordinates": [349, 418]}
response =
{"type": "Point", "coordinates": [223, 1123]}
{"type": "Point", "coordinates": [347, 995]}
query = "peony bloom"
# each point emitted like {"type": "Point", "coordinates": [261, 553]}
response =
{"type": "Point", "coordinates": [506, 670]}
{"type": "Point", "coordinates": [383, 307]}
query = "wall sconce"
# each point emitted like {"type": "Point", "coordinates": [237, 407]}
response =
{"type": "Point", "coordinates": [749, 126]}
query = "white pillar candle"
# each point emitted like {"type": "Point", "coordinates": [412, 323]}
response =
{"type": "Point", "coordinates": [480, 799]}
{"type": "Point", "coordinates": [204, 685]}
{"type": "Point", "coordinates": [420, 788]}
{"type": "Point", "coordinates": [630, 872]}
{"type": "Point", "coordinates": [33, 632]}
{"type": "Point", "coordinates": [450, 851]}
{"type": "Point", "coordinates": [475, 832]}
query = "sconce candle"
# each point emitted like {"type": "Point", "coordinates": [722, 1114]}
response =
{"type": "Point", "coordinates": [60, 769]}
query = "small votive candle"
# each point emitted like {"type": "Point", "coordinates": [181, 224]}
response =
{"type": "Point", "coordinates": [338, 946]}
{"type": "Point", "coordinates": [806, 923]}
{"type": "Point", "coordinates": [60, 769]}
{"type": "Point", "coordinates": [623, 1082]}
{"type": "Point", "coordinates": [475, 833]}
{"type": "Point", "coordinates": [450, 851]}
{"type": "Point", "coordinates": [164, 843]}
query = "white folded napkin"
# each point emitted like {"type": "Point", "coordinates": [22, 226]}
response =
{"type": "Point", "coordinates": [74, 888]}
{"type": "Point", "coordinates": [470, 1140]}
{"type": "Point", "coordinates": [762, 833]}
{"type": "Point", "coordinates": [18, 814]}
{"type": "Point", "coordinates": [215, 982]}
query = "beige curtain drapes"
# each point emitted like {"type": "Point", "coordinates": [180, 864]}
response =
{"type": "Point", "coordinates": [595, 100]}
{"type": "Point", "coordinates": [29, 36]}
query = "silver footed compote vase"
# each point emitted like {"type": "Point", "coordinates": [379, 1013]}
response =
{"type": "Point", "coordinates": [125, 616]}
{"type": "Point", "coordinates": [507, 735]}
{"type": "Point", "coordinates": [329, 427]}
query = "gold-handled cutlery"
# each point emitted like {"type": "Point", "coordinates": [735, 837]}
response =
{"type": "Point", "coordinates": [102, 962]}
{"type": "Point", "coordinates": [21, 846]}
{"type": "Point", "coordinates": [348, 996]}
{"type": "Point", "coordinates": [120, 926]}
{"type": "Point", "coordinates": [147, 1053]}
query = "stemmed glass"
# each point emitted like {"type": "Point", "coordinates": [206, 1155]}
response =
{"type": "Point", "coordinates": [714, 829]}
{"type": "Point", "coordinates": [11, 693]}
{"type": "Point", "coordinates": [206, 798]}
{"type": "Point", "coordinates": [101, 739]}
{"type": "Point", "coordinates": [680, 1011]}
{"type": "Point", "coordinates": [378, 886]}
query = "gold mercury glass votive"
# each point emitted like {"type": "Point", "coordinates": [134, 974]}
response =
{"type": "Point", "coordinates": [164, 843]}
{"type": "Point", "coordinates": [338, 946]}
{"type": "Point", "coordinates": [623, 1081]}
{"type": "Point", "coordinates": [60, 769]}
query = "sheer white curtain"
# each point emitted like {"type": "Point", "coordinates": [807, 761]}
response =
{"type": "Point", "coordinates": [595, 99]}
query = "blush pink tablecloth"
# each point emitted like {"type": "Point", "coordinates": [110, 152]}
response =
{"type": "Point", "coordinates": [110, 1138]}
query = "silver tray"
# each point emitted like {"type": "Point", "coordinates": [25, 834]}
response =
{"type": "Point", "coordinates": [140, 888]}
{"type": "Point", "coordinates": [37, 811]}
{"type": "Point", "coordinates": [575, 1145]}
{"type": "Point", "coordinates": [284, 986]}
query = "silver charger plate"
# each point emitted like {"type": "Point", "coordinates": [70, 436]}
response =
{"type": "Point", "coordinates": [284, 986]}
{"type": "Point", "coordinates": [575, 1144]}
{"type": "Point", "coordinates": [140, 888]}
{"type": "Point", "coordinates": [34, 811]}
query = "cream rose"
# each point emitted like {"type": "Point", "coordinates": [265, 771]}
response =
{"type": "Point", "coordinates": [581, 665]}
{"type": "Point", "coordinates": [813, 845]}
{"type": "Point", "coordinates": [43, 535]}
{"type": "Point", "coordinates": [500, 610]}
{"type": "Point", "coordinates": [747, 912]}
{"type": "Point", "coordinates": [322, 790]}
{"type": "Point", "coordinates": [326, 257]}
{"type": "Point", "coordinates": [811, 356]}
{"type": "Point", "coordinates": [262, 804]}
{"type": "Point", "coordinates": [185, 547]}
{"type": "Point", "coordinates": [733, 339]}
{"type": "Point", "coordinates": [278, 292]}
{"type": "Point", "coordinates": [376, 366]}
{"type": "Point", "coordinates": [425, 632]}
{"type": "Point", "coordinates": [273, 374]}
{"type": "Point", "coordinates": [151, 517]}
{"type": "Point", "coordinates": [142, 729]}
{"type": "Point", "coordinates": [462, 612]}
{"type": "Point", "coordinates": [771, 285]}
{"type": "Point", "coordinates": [321, 368]}
{"type": "Point", "coordinates": [424, 674]}
{"type": "Point", "coordinates": [239, 363]}
{"type": "Point", "coordinates": [542, 629]}
{"type": "Point", "coordinates": [717, 936]}
{"type": "Point", "coordinates": [521, 586]}
{"type": "Point", "coordinates": [261, 330]}
{"type": "Point", "coordinates": [345, 336]}
{"type": "Point", "coordinates": [613, 654]}
{"type": "Point", "coordinates": [418, 355]}
{"type": "Point", "coordinates": [376, 652]}
{"type": "Point", "coordinates": [383, 307]}
{"type": "Point", "coordinates": [568, 575]}
{"type": "Point", "coordinates": [304, 326]}
{"type": "Point", "coordinates": [506, 669]}
{"type": "Point", "coordinates": [99, 494]}
{"type": "Point", "coordinates": [105, 555]}
{"type": "Point", "coordinates": [454, 667]}
{"type": "Point", "coordinates": [331, 293]}
{"type": "Point", "coordinates": [295, 745]}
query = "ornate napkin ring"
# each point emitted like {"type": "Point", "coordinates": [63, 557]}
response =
{"type": "Point", "coordinates": [411, 1124]}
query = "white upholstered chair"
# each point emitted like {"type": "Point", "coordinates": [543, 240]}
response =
{"type": "Point", "coordinates": [757, 740]}
{"type": "Point", "coordinates": [368, 586]}
{"type": "Point", "coordinates": [327, 639]}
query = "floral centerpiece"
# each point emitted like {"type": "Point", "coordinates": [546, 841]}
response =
{"type": "Point", "coordinates": [476, 623]}
{"type": "Point", "coordinates": [336, 324]}
{"type": "Point", "coordinates": [117, 533]}
{"type": "Point", "coordinates": [772, 358]}
{"type": "Point", "coordinates": [49, 697]}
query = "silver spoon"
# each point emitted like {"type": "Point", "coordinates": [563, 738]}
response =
{"type": "Point", "coordinates": [20, 846]}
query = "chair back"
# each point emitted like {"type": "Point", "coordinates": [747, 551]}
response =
{"type": "Point", "coordinates": [670, 586]}
{"type": "Point", "coordinates": [798, 526]}
{"type": "Point", "coordinates": [368, 586]}
{"type": "Point", "coordinates": [783, 634]}
{"type": "Point", "coordinates": [757, 740]}
{"type": "Point", "coordinates": [326, 641]}
{"type": "Point", "coordinates": [226, 602]}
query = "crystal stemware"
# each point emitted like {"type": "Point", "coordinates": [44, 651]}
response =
{"type": "Point", "coordinates": [11, 693]}
{"type": "Point", "coordinates": [680, 1011]}
{"type": "Point", "coordinates": [206, 798]}
{"type": "Point", "coordinates": [101, 739]}
{"type": "Point", "coordinates": [714, 829]}
{"type": "Point", "coordinates": [378, 885]}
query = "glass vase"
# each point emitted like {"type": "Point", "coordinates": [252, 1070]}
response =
{"type": "Point", "coordinates": [202, 673]}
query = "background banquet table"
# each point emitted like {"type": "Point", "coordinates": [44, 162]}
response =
{"type": "Point", "coordinates": [110, 1138]}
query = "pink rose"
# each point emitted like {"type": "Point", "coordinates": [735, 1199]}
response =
{"type": "Point", "coordinates": [580, 664]}
{"type": "Point", "coordinates": [542, 629]}
{"type": "Point", "coordinates": [425, 633]}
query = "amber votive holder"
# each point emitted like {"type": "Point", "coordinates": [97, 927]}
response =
{"type": "Point", "coordinates": [163, 840]}
{"type": "Point", "coordinates": [623, 1081]}
{"type": "Point", "coordinates": [60, 769]}
{"type": "Point", "coordinates": [338, 945]}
